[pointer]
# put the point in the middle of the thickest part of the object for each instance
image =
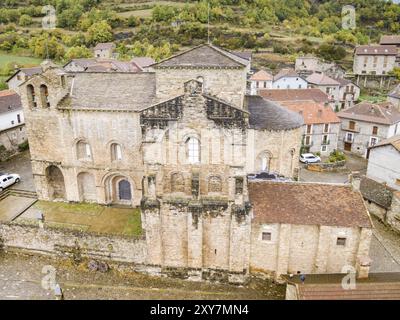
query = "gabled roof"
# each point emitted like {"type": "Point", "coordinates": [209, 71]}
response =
{"type": "Point", "coordinates": [270, 116]}
{"type": "Point", "coordinates": [344, 82]}
{"type": "Point", "coordinates": [307, 204]}
{"type": "Point", "coordinates": [9, 101]}
{"type": "Point", "coordinates": [105, 45]}
{"type": "Point", "coordinates": [312, 112]}
{"type": "Point", "coordinates": [376, 50]}
{"type": "Point", "coordinates": [262, 75]}
{"type": "Point", "coordinates": [321, 79]}
{"type": "Point", "coordinates": [393, 141]}
{"type": "Point", "coordinates": [82, 62]}
{"type": "Point", "coordinates": [28, 71]}
{"type": "Point", "coordinates": [205, 55]}
{"type": "Point", "coordinates": [243, 54]}
{"type": "Point", "coordinates": [286, 73]}
{"type": "Point", "coordinates": [313, 94]}
{"type": "Point", "coordinates": [382, 113]}
{"type": "Point", "coordinates": [142, 62]}
{"type": "Point", "coordinates": [105, 65]}
{"type": "Point", "coordinates": [392, 39]}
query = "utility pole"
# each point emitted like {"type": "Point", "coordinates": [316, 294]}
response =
{"type": "Point", "coordinates": [208, 23]}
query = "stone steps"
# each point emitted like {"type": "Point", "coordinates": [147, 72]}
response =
{"type": "Point", "coordinates": [23, 193]}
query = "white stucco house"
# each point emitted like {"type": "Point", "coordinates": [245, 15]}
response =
{"type": "Point", "coordinates": [288, 79]}
{"type": "Point", "coordinates": [20, 76]}
{"type": "Point", "coordinates": [384, 162]}
{"type": "Point", "coordinates": [259, 81]}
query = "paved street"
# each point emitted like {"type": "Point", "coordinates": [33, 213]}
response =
{"type": "Point", "coordinates": [354, 163]}
{"type": "Point", "coordinates": [20, 164]}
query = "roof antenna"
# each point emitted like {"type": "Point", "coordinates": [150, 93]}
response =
{"type": "Point", "coordinates": [208, 23]}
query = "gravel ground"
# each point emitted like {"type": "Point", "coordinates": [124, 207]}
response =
{"type": "Point", "coordinates": [21, 277]}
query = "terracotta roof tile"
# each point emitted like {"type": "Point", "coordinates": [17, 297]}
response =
{"type": "Point", "coordinates": [390, 39]}
{"type": "Point", "coordinates": [383, 113]}
{"type": "Point", "coordinates": [307, 204]}
{"type": "Point", "coordinates": [286, 73]}
{"type": "Point", "coordinates": [280, 95]}
{"type": "Point", "coordinates": [321, 79]}
{"type": "Point", "coordinates": [394, 141]}
{"type": "Point", "coordinates": [376, 50]}
{"type": "Point", "coordinates": [312, 112]}
{"type": "Point", "coordinates": [262, 75]}
{"type": "Point", "coordinates": [9, 100]}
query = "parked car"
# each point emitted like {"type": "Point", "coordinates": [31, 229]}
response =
{"type": "Point", "coordinates": [7, 180]}
{"type": "Point", "coordinates": [309, 158]}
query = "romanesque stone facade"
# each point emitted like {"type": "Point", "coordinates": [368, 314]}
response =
{"type": "Point", "coordinates": [178, 140]}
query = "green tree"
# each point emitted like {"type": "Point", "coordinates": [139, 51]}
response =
{"type": "Point", "coordinates": [99, 32]}
{"type": "Point", "coordinates": [78, 52]}
{"type": "Point", "coordinates": [25, 20]}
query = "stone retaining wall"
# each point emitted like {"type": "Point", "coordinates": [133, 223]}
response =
{"type": "Point", "coordinates": [321, 167]}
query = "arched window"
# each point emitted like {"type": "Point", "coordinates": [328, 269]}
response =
{"type": "Point", "coordinates": [83, 151]}
{"type": "Point", "coordinates": [193, 150]}
{"type": "Point", "coordinates": [116, 152]}
{"type": "Point", "coordinates": [214, 184]}
{"type": "Point", "coordinates": [44, 94]}
{"type": "Point", "coordinates": [31, 96]}
{"type": "Point", "coordinates": [264, 160]}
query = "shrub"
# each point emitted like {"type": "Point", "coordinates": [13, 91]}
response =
{"type": "Point", "coordinates": [336, 156]}
{"type": "Point", "coordinates": [23, 146]}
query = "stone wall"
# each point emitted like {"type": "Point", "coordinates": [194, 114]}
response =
{"type": "Point", "coordinates": [306, 248]}
{"type": "Point", "coordinates": [53, 241]}
{"type": "Point", "coordinates": [330, 166]}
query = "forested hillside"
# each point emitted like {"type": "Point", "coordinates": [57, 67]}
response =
{"type": "Point", "coordinates": [282, 29]}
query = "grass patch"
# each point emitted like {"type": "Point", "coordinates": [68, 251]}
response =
{"type": "Point", "coordinates": [6, 58]}
{"type": "Point", "coordinates": [134, 224]}
{"type": "Point", "coordinates": [75, 208]}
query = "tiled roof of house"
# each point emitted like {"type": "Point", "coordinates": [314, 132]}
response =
{"type": "Point", "coordinates": [205, 55]}
{"type": "Point", "coordinates": [321, 79]}
{"type": "Point", "coordinates": [390, 39]}
{"type": "Point", "coordinates": [395, 93]}
{"type": "Point", "coordinates": [345, 82]}
{"type": "Point", "coordinates": [312, 112]}
{"type": "Point", "coordinates": [105, 65]}
{"type": "Point", "coordinates": [270, 116]}
{"type": "Point", "coordinates": [313, 94]}
{"type": "Point", "coordinates": [262, 75]}
{"type": "Point", "coordinates": [9, 101]}
{"type": "Point", "coordinates": [142, 62]}
{"type": "Point", "coordinates": [243, 54]}
{"type": "Point", "coordinates": [376, 192]}
{"type": "Point", "coordinates": [376, 50]}
{"type": "Point", "coordinates": [393, 141]}
{"type": "Point", "coordinates": [28, 71]}
{"type": "Point", "coordinates": [383, 113]}
{"type": "Point", "coordinates": [307, 204]}
{"type": "Point", "coordinates": [286, 73]}
{"type": "Point", "coordinates": [105, 45]}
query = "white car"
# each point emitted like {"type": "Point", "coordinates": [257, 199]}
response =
{"type": "Point", "coordinates": [309, 158]}
{"type": "Point", "coordinates": [7, 180]}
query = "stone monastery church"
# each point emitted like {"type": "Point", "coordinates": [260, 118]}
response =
{"type": "Point", "coordinates": [180, 141]}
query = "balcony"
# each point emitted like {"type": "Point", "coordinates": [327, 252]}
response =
{"type": "Point", "coordinates": [348, 139]}
{"type": "Point", "coordinates": [352, 129]}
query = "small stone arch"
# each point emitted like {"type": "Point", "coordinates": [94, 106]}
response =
{"type": "Point", "coordinates": [214, 184]}
{"type": "Point", "coordinates": [56, 184]}
{"type": "Point", "coordinates": [44, 96]}
{"type": "Point", "coordinates": [87, 187]}
{"type": "Point", "coordinates": [263, 162]}
{"type": "Point", "coordinates": [177, 182]}
{"type": "Point", "coordinates": [119, 189]}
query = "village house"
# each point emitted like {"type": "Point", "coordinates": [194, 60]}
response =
{"type": "Point", "coordinates": [394, 97]}
{"type": "Point", "coordinates": [321, 125]}
{"type": "Point", "coordinates": [260, 80]}
{"type": "Point", "coordinates": [366, 124]}
{"type": "Point", "coordinates": [383, 162]}
{"type": "Point", "coordinates": [326, 84]}
{"type": "Point", "coordinates": [349, 93]}
{"type": "Point", "coordinates": [392, 40]}
{"type": "Point", "coordinates": [12, 124]}
{"type": "Point", "coordinates": [332, 232]}
{"type": "Point", "coordinates": [374, 59]}
{"type": "Point", "coordinates": [288, 79]}
{"type": "Point", "coordinates": [20, 76]}
{"type": "Point", "coordinates": [307, 65]}
{"type": "Point", "coordinates": [104, 50]}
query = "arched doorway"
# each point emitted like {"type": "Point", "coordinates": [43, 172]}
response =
{"type": "Point", "coordinates": [87, 187]}
{"type": "Point", "coordinates": [264, 161]}
{"type": "Point", "coordinates": [119, 190]}
{"type": "Point", "coordinates": [55, 180]}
